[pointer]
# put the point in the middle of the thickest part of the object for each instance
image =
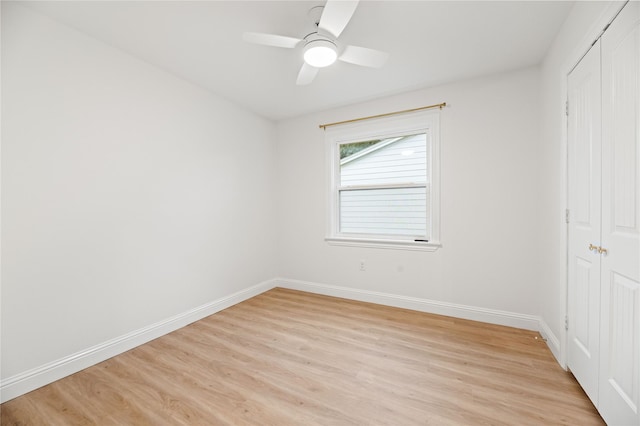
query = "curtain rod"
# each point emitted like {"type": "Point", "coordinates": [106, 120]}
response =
{"type": "Point", "coordinates": [442, 105]}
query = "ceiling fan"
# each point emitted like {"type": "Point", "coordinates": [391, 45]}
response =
{"type": "Point", "coordinates": [320, 45]}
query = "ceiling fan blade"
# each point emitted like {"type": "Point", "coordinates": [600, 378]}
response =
{"type": "Point", "coordinates": [336, 15]}
{"type": "Point", "coordinates": [271, 40]}
{"type": "Point", "coordinates": [306, 75]}
{"type": "Point", "coordinates": [364, 56]}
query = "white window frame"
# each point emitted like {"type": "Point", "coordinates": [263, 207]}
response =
{"type": "Point", "coordinates": [425, 121]}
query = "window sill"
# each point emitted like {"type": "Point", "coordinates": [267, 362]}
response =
{"type": "Point", "coordinates": [384, 244]}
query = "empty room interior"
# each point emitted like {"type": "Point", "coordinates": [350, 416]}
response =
{"type": "Point", "coordinates": [320, 212]}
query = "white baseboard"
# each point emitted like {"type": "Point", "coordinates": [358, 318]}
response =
{"type": "Point", "coordinates": [554, 343]}
{"type": "Point", "coordinates": [27, 381]}
{"type": "Point", "coordinates": [510, 319]}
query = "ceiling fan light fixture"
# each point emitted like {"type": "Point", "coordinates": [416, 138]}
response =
{"type": "Point", "coordinates": [320, 53]}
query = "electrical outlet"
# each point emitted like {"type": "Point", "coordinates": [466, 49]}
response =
{"type": "Point", "coordinates": [362, 266]}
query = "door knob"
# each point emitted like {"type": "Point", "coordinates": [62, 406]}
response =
{"type": "Point", "coordinates": [602, 250]}
{"type": "Point", "coordinates": [592, 247]}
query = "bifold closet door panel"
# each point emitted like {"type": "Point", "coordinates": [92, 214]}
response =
{"type": "Point", "coordinates": [619, 401]}
{"type": "Point", "coordinates": [584, 143]}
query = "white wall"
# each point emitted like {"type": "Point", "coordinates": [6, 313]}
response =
{"type": "Point", "coordinates": [128, 195]}
{"type": "Point", "coordinates": [583, 25]}
{"type": "Point", "coordinates": [490, 174]}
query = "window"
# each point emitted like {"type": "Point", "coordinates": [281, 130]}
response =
{"type": "Point", "coordinates": [383, 182]}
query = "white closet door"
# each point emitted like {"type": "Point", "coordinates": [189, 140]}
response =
{"type": "Point", "coordinates": [620, 321]}
{"type": "Point", "coordinates": [584, 227]}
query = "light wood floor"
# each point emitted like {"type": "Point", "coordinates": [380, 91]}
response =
{"type": "Point", "coordinates": [293, 358]}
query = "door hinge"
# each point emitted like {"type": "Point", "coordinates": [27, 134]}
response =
{"type": "Point", "coordinates": [566, 108]}
{"type": "Point", "coordinates": [567, 214]}
{"type": "Point", "coordinates": [566, 322]}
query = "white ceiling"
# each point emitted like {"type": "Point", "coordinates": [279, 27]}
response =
{"type": "Point", "coordinates": [429, 42]}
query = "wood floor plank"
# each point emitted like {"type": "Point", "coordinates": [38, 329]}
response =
{"type": "Point", "coordinates": [292, 358]}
